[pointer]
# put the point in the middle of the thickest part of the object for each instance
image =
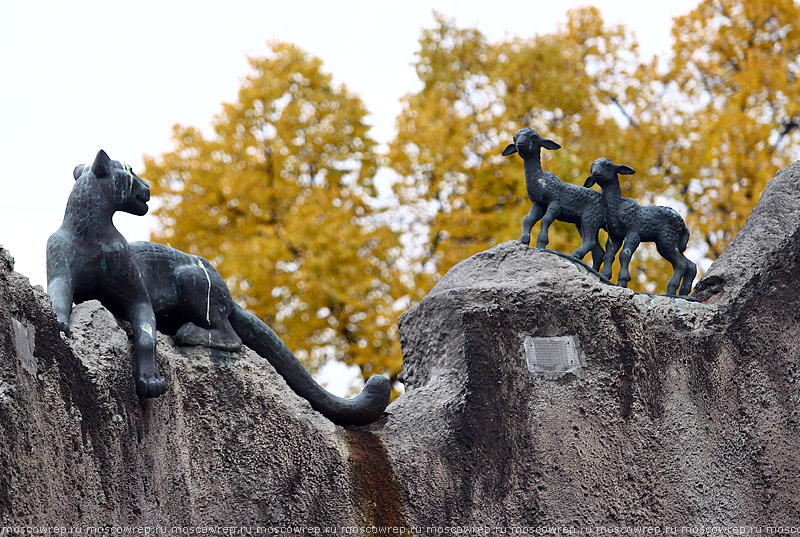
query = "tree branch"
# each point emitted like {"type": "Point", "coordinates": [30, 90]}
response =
{"type": "Point", "coordinates": [788, 126]}
{"type": "Point", "coordinates": [632, 121]}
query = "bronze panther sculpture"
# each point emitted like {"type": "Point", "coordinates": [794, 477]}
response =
{"type": "Point", "coordinates": [151, 285]}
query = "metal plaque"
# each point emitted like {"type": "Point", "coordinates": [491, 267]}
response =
{"type": "Point", "coordinates": [553, 357]}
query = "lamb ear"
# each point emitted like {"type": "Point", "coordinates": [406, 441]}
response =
{"type": "Point", "coordinates": [509, 150]}
{"type": "Point", "coordinates": [78, 171]}
{"type": "Point", "coordinates": [589, 183]}
{"type": "Point", "coordinates": [625, 170]}
{"type": "Point", "coordinates": [102, 164]}
{"type": "Point", "coordinates": [549, 144]}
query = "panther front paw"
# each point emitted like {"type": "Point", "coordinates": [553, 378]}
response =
{"type": "Point", "coordinates": [150, 387]}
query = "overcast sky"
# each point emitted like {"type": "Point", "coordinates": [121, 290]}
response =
{"type": "Point", "coordinates": [81, 75]}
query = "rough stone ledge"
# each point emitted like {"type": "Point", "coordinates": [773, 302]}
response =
{"type": "Point", "coordinates": [228, 444]}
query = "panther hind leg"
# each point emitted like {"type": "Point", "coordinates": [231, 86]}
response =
{"type": "Point", "coordinates": [214, 338]}
{"type": "Point", "coordinates": [207, 304]}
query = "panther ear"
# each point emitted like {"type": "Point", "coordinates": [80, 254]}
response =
{"type": "Point", "coordinates": [102, 164]}
{"type": "Point", "coordinates": [78, 171]}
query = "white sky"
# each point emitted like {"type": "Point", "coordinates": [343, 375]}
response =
{"type": "Point", "coordinates": [83, 75]}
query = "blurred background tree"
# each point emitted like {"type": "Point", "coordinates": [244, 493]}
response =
{"type": "Point", "coordinates": [704, 132]}
{"type": "Point", "coordinates": [279, 198]}
{"type": "Point", "coordinates": [582, 86]}
{"type": "Point", "coordinates": [281, 195]}
{"type": "Point", "coordinates": [736, 65]}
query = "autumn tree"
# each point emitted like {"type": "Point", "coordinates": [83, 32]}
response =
{"type": "Point", "coordinates": [581, 86]}
{"type": "Point", "coordinates": [278, 197]}
{"type": "Point", "coordinates": [736, 66]}
{"type": "Point", "coordinates": [703, 136]}
{"type": "Point", "coordinates": [279, 194]}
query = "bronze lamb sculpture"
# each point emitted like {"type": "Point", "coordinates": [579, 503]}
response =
{"type": "Point", "coordinates": [151, 285]}
{"type": "Point", "coordinates": [553, 199]}
{"type": "Point", "coordinates": [631, 223]}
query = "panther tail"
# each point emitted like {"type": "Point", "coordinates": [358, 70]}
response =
{"type": "Point", "coordinates": [364, 408]}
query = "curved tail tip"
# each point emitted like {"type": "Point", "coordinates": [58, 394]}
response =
{"type": "Point", "coordinates": [379, 389]}
{"type": "Point", "coordinates": [363, 409]}
{"type": "Point", "coordinates": [368, 406]}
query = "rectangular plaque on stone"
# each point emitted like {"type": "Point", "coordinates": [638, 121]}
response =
{"type": "Point", "coordinates": [553, 357]}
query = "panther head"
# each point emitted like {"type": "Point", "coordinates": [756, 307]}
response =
{"type": "Point", "coordinates": [117, 182]}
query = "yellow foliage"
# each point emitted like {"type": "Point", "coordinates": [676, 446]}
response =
{"type": "Point", "coordinates": [579, 86]}
{"type": "Point", "coordinates": [736, 65]}
{"type": "Point", "coordinates": [277, 197]}
{"type": "Point", "coordinates": [707, 134]}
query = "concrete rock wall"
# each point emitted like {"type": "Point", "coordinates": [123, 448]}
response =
{"type": "Point", "coordinates": [535, 395]}
{"type": "Point", "coordinates": [226, 445]}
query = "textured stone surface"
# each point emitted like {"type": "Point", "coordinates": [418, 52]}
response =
{"type": "Point", "coordinates": [686, 412]}
{"type": "Point", "coordinates": [683, 412]}
{"type": "Point", "coordinates": [227, 444]}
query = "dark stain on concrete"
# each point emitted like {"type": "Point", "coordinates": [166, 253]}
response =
{"type": "Point", "coordinates": [373, 480]}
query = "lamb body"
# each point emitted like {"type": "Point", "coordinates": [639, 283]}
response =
{"type": "Point", "coordinates": [553, 199]}
{"type": "Point", "coordinates": [630, 223]}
